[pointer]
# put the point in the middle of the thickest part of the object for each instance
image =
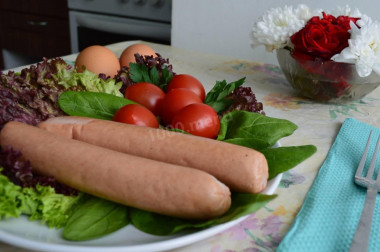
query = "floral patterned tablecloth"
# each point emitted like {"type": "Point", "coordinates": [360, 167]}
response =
{"type": "Point", "coordinates": [318, 124]}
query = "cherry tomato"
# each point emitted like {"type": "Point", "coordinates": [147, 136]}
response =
{"type": "Point", "coordinates": [198, 119]}
{"type": "Point", "coordinates": [146, 94]}
{"type": "Point", "coordinates": [188, 82]}
{"type": "Point", "coordinates": [137, 115]}
{"type": "Point", "coordinates": [174, 101]}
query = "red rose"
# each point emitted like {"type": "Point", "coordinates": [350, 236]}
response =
{"type": "Point", "coordinates": [344, 21]}
{"type": "Point", "coordinates": [322, 38]}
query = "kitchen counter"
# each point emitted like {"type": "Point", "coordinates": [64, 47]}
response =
{"type": "Point", "coordinates": [318, 125]}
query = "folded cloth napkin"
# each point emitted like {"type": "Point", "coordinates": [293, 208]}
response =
{"type": "Point", "coordinates": [329, 216]}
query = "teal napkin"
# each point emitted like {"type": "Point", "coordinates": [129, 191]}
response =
{"type": "Point", "coordinates": [328, 218]}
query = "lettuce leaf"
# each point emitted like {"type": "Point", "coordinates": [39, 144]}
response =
{"type": "Point", "coordinates": [11, 199]}
{"type": "Point", "coordinates": [52, 208]}
{"type": "Point", "coordinates": [32, 95]}
{"type": "Point", "coordinates": [88, 81]}
{"type": "Point", "coordinates": [40, 203]}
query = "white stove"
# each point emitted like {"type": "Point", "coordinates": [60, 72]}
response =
{"type": "Point", "coordinates": [109, 21]}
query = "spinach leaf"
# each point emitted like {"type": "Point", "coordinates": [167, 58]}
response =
{"type": "Point", "coordinates": [156, 224]}
{"type": "Point", "coordinates": [252, 143]}
{"type": "Point", "coordinates": [217, 96]}
{"type": "Point", "coordinates": [91, 104]}
{"type": "Point", "coordinates": [95, 217]}
{"type": "Point", "coordinates": [261, 132]}
{"type": "Point", "coordinates": [282, 159]}
{"type": "Point", "coordinates": [175, 130]}
{"type": "Point", "coordinates": [253, 130]}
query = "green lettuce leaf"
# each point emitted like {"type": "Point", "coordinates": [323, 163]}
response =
{"type": "Point", "coordinates": [88, 81]}
{"type": "Point", "coordinates": [11, 199]}
{"type": "Point", "coordinates": [41, 203]}
{"type": "Point", "coordinates": [52, 208]}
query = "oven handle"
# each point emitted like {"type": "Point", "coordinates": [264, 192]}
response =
{"type": "Point", "coordinates": [157, 31]}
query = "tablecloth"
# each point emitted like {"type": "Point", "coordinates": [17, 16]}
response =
{"type": "Point", "coordinates": [318, 125]}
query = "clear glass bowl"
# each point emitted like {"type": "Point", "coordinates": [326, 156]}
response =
{"type": "Point", "coordinates": [327, 81]}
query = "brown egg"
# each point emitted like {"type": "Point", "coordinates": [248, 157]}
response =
{"type": "Point", "coordinates": [98, 59]}
{"type": "Point", "coordinates": [128, 55]}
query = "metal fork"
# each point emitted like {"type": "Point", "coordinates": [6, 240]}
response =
{"type": "Point", "coordinates": [363, 231]}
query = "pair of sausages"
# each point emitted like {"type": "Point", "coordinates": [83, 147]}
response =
{"type": "Point", "coordinates": [138, 166]}
{"type": "Point", "coordinates": [241, 169]}
{"type": "Point", "coordinates": [134, 181]}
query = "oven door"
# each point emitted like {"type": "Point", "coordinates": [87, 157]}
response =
{"type": "Point", "coordinates": [89, 29]}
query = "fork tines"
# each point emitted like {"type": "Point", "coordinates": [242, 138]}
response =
{"type": "Point", "coordinates": [367, 180]}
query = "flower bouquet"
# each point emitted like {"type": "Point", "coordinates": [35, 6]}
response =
{"type": "Point", "coordinates": [328, 57]}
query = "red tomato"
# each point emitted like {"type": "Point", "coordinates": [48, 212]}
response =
{"type": "Point", "coordinates": [137, 115]}
{"type": "Point", "coordinates": [188, 82]}
{"type": "Point", "coordinates": [146, 94]}
{"type": "Point", "coordinates": [198, 119]}
{"type": "Point", "coordinates": [174, 101]}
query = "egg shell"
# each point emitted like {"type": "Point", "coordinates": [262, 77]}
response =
{"type": "Point", "coordinates": [128, 55]}
{"type": "Point", "coordinates": [98, 59]}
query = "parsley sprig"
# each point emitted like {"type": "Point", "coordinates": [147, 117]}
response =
{"type": "Point", "coordinates": [218, 95]}
{"type": "Point", "coordinates": [141, 73]}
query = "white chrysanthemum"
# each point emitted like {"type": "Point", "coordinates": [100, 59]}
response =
{"type": "Point", "coordinates": [363, 49]}
{"type": "Point", "coordinates": [305, 13]}
{"type": "Point", "coordinates": [346, 11]}
{"type": "Point", "coordinates": [275, 28]}
{"type": "Point", "coordinates": [363, 21]}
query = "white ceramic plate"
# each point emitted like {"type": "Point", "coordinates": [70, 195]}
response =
{"type": "Point", "coordinates": [23, 233]}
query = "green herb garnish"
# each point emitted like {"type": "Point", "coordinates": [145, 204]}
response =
{"type": "Point", "coordinates": [141, 73]}
{"type": "Point", "coordinates": [217, 98]}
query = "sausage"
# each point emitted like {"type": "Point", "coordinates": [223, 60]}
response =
{"type": "Point", "coordinates": [134, 181]}
{"type": "Point", "coordinates": [240, 168]}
